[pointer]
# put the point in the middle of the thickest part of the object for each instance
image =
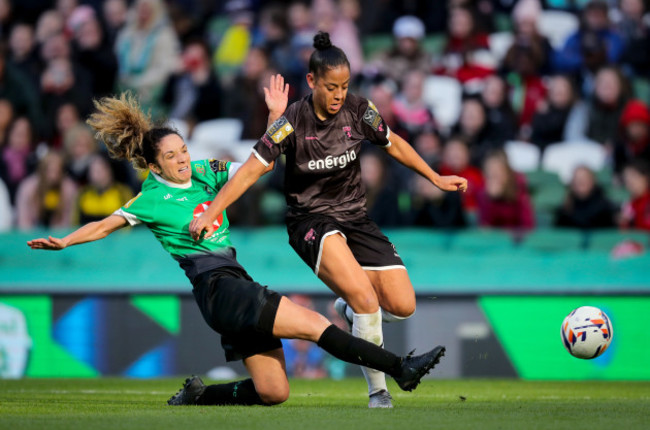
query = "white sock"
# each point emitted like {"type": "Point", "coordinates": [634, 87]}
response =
{"type": "Point", "coordinates": [389, 318]}
{"type": "Point", "coordinates": [368, 327]}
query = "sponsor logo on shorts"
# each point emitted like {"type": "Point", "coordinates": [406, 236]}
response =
{"type": "Point", "coordinates": [395, 251]}
{"type": "Point", "coordinates": [333, 161]}
{"type": "Point", "coordinates": [311, 235]}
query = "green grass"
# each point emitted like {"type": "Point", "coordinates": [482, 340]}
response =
{"type": "Point", "coordinates": [98, 404]}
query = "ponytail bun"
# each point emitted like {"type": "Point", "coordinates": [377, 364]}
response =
{"type": "Point", "coordinates": [322, 41]}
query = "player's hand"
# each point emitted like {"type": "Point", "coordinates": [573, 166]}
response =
{"type": "Point", "coordinates": [452, 183]}
{"type": "Point", "coordinates": [276, 95]}
{"type": "Point", "coordinates": [49, 244]}
{"type": "Point", "coordinates": [201, 225]}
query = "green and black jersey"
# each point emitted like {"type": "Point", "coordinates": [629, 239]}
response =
{"type": "Point", "coordinates": [168, 208]}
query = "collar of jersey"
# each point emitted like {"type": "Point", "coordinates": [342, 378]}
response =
{"type": "Point", "coordinates": [171, 184]}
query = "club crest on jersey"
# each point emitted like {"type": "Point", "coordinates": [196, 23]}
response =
{"type": "Point", "coordinates": [218, 165]}
{"type": "Point", "coordinates": [279, 130]}
{"type": "Point", "coordinates": [199, 209]}
{"type": "Point", "coordinates": [347, 130]}
{"type": "Point", "coordinates": [200, 170]}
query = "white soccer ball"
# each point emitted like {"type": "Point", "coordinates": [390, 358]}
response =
{"type": "Point", "coordinates": [586, 332]}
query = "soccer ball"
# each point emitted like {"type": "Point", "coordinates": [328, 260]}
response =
{"type": "Point", "coordinates": [586, 332]}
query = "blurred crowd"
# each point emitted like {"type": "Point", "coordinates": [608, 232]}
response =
{"type": "Point", "coordinates": [478, 87]}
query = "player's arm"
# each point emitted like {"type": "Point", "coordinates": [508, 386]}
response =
{"type": "Point", "coordinates": [400, 150]}
{"type": "Point", "coordinates": [276, 96]}
{"type": "Point", "coordinates": [242, 180]}
{"type": "Point", "coordinates": [87, 233]}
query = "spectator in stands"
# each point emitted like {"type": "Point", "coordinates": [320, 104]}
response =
{"type": "Point", "coordinates": [428, 145]}
{"type": "Point", "coordinates": [234, 45]}
{"type": "Point", "coordinates": [522, 64]}
{"type": "Point", "coordinates": [93, 51]}
{"type": "Point", "coordinates": [585, 206]}
{"type": "Point", "coordinates": [23, 54]}
{"type": "Point", "coordinates": [634, 30]}
{"type": "Point", "coordinates": [244, 99]}
{"type": "Point", "coordinates": [102, 195]}
{"type": "Point", "coordinates": [6, 209]}
{"type": "Point", "coordinates": [562, 117]}
{"type": "Point", "coordinates": [193, 93]}
{"type": "Point", "coordinates": [272, 35]}
{"type": "Point", "coordinates": [67, 116]}
{"type": "Point", "coordinates": [501, 119]}
{"type": "Point", "coordinates": [47, 197]}
{"type": "Point", "coordinates": [17, 160]}
{"type": "Point", "coordinates": [456, 161]}
{"type": "Point", "coordinates": [634, 140]}
{"type": "Point", "coordinates": [592, 46]}
{"type": "Point", "coordinates": [6, 118]}
{"type": "Point", "coordinates": [80, 146]}
{"type": "Point", "coordinates": [504, 201]}
{"type": "Point", "coordinates": [407, 52]}
{"type": "Point", "coordinates": [636, 212]}
{"type": "Point", "coordinates": [114, 17]}
{"type": "Point", "coordinates": [431, 207]}
{"type": "Point", "coordinates": [147, 50]}
{"type": "Point", "coordinates": [61, 84]}
{"type": "Point", "coordinates": [382, 197]}
{"type": "Point", "coordinates": [382, 94]}
{"type": "Point", "coordinates": [49, 24]}
{"type": "Point", "coordinates": [526, 15]}
{"type": "Point", "coordinates": [338, 18]}
{"type": "Point", "coordinates": [408, 105]}
{"type": "Point", "coordinates": [606, 106]}
{"type": "Point", "coordinates": [19, 91]}
{"type": "Point", "coordinates": [467, 53]}
{"type": "Point", "coordinates": [472, 126]}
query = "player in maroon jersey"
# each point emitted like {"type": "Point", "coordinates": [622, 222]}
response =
{"type": "Point", "coordinates": [327, 221]}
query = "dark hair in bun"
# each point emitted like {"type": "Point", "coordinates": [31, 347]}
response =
{"type": "Point", "coordinates": [326, 56]}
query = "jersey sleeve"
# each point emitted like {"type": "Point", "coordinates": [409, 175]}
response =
{"type": "Point", "coordinates": [276, 138]}
{"type": "Point", "coordinates": [137, 210]}
{"type": "Point", "coordinates": [373, 126]}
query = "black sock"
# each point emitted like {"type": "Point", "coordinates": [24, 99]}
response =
{"type": "Point", "coordinates": [346, 347]}
{"type": "Point", "coordinates": [232, 393]}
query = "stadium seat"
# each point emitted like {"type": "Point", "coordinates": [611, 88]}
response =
{"type": "Point", "coordinates": [562, 158]}
{"type": "Point", "coordinates": [443, 96]}
{"type": "Point", "coordinates": [606, 240]}
{"type": "Point", "coordinates": [554, 240]}
{"type": "Point", "coordinates": [522, 156]}
{"type": "Point", "coordinates": [218, 131]}
{"type": "Point", "coordinates": [557, 26]}
{"type": "Point", "coordinates": [181, 126]}
{"type": "Point", "coordinates": [499, 44]}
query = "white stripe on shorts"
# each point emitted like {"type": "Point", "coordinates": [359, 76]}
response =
{"type": "Point", "coordinates": [320, 248]}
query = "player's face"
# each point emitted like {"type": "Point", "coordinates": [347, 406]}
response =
{"type": "Point", "coordinates": [173, 160]}
{"type": "Point", "coordinates": [329, 90]}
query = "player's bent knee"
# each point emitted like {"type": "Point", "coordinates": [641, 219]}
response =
{"type": "Point", "coordinates": [274, 396]}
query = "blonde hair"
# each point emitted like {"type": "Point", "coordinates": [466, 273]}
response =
{"type": "Point", "coordinates": [124, 129]}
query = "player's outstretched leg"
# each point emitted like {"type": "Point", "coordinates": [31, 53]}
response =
{"type": "Point", "coordinates": [413, 368]}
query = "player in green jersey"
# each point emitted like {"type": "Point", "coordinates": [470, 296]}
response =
{"type": "Point", "coordinates": [250, 317]}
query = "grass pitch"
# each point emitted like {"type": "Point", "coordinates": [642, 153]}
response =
{"type": "Point", "coordinates": [99, 404]}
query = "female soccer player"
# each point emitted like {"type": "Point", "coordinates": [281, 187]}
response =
{"type": "Point", "coordinates": [327, 222]}
{"type": "Point", "coordinates": [249, 317]}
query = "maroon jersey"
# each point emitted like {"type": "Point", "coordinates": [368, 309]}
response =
{"type": "Point", "coordinates": [323, 174]}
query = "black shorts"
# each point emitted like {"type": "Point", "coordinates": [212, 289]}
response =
{"type": "Point", "coordinates": [239, 309]}
{"type": "Point", "coordinates": [370, 247]}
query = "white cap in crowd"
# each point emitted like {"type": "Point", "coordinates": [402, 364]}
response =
{"type": "Point", "coordinates": [408, 26]}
